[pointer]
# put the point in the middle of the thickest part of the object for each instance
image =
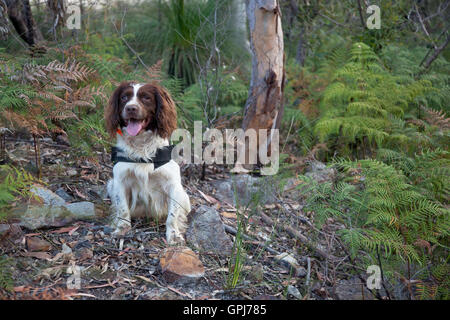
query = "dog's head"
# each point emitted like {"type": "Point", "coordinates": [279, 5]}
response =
{"type": "Point", "coordinates": [136, 108]}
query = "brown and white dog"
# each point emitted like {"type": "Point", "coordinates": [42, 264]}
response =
{"type": "Point", "coordinates": [142, 117]}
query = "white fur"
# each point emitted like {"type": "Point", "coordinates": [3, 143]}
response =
{"type": "Point", "coordinates": [138, 190]}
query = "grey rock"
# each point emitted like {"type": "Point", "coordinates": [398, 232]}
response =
{"type": "Point", "coordinates": [64, 195]}
{"type": "Point", "coordinates": [207, 233]}
{"type": "Point", "coordinates": [51, 210]}
{"type": "Point", "coordinates": [241, 189]}
{"type": "Point", "coordinates": [293, 291]}
{"type": "Point", "coordinates": [319, 172]}
{"type": "Point", "coordinates": [289, 261]}
{"type": "Point", "coordinates": [72, 172]}
{"type": "Point", "coordinates": [48, 197]}
{"type": "Point", "coordinates": [351, 289]}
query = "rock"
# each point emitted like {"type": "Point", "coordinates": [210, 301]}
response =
{"type": "Point", "coordinates": [289, 261]}
{"type": "Point", "coordinates": [319, 172]}
{"type": "Point", "coordinates": [72, 172]}
{"type": "Point", "coordinates": [98, 191]}
{"type": "Point", "coordinates": [4, 230]}
{"type": "Point", "coordinates": [64, 195]}
{"type": "Point", "coordinates": [247, 187]}
{"type": "Point", "coordinates": [66, 249]}
{"type": "Point", "coordinates": [351, 289]}
{"type": "Point", "coordinates": [51, 210]}
{"type": "Point", "coordinates": [46, 196]}
{"type": "Point", "coordinates": [37, 244]}
{"type": "Point", "coordinates": [180, 264]}
{"type": "Point", "coordinates": [206, 232]}
{"type": "Point", "coordinates": [293, 291]}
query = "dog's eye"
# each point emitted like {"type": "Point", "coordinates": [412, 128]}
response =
{"type": "Point", "coordinates": [146, 98]}
{"type": "Point", "coordinates": [124, 98]}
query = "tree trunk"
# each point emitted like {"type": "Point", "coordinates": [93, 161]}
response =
{"type": "Point", "coordinates": [19, 12]}
{"type": "Point", "coordinates": [264, 106]}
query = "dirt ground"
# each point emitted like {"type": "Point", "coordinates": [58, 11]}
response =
{"type": "Point", "coordinates": [128, 268]}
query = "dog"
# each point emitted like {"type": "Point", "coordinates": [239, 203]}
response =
{"type": "Point", "coordinates": [142, 118]}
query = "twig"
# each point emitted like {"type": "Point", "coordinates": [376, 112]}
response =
{"type": "Point", "coordinates": [361, 15]}
{"type": "Point", "coordinates": [434, 56]}
{"type": "Point", "coordinates": [37, 155]}
{"type": "Point", "coordinates": [382, 274]}
{"type": "Point", "coordinates": [126, 42]}
{"type": "Point", "coordinates": [423, 27]}
{"type": "Point", "coordinates": [296, 234]}
{"type": "Point", "coordinates": [233, 231]}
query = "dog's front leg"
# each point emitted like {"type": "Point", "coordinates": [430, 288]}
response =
{"type": "Point", "coordinates": [121, 219]}
{"type": "Point", "coordinates": [178, 209]}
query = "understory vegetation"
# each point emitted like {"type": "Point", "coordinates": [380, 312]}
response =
{"type": "Point", "coordinates": [357, 100]}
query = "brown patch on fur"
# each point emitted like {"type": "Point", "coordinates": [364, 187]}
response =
{"type": "Point", "coordinates": [166, 112]}
{"type": "Point", "coordinates": [112, 112]}
{"type": "Point", "coordinates": [160, 109]}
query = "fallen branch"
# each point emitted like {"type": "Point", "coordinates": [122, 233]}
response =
{"type": "Point", "coordinates": [233, 231]}
{"type": "Point", "coordinates": [296, 234]}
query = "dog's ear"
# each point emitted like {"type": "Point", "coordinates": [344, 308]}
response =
{"type": "Point", "coordinates": [112, 112]}
{"type": "Point", "coordinates": [166, 113]}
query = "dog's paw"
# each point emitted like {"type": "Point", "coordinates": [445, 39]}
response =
{"type": "Point", "coordinates": [174, 238]}
{"type": "Point", "coordinates": [121, 231]}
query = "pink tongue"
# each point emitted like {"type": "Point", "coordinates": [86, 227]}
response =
{"type": "Point", "coordinates": [134, 127]}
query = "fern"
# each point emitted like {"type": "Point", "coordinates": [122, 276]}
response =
{"type": "Point", "coordinates": [361, 107]}
{"type": "Point", "coordinates": [384, 211]}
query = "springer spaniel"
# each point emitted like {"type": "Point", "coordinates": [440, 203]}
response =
{"type": "Point", "coordinates": [142, 117]}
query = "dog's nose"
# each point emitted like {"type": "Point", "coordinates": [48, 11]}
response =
{"type": "Point", "coordinates": [132, 108]}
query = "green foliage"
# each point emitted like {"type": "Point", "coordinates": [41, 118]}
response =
{"type": "Point", "coordinates": [13, 183]}
{"type": "Point", "coordinates": [232, 94]}
{"type": "Point", "coordinates": [183, 33]}
{"type": "Point", "coordinates": [384, 213]}
{"type": "Point", "coordinates": [6, 281]}
{"type": "Point", "coordinates": [361, 106]}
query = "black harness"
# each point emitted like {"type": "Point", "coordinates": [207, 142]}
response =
{"type": "Point", "coordinates": [162, 156]}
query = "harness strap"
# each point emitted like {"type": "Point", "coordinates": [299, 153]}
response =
{"type": "Point", "coordinates": [162, 156]}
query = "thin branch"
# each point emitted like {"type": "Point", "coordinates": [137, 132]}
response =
{"type": "Point", "coordinates": [126, 42]}
{"type": "Point", "coordinates": [423, 26]}
{"type": "Point", "coordinates": [434, 56]}
{"type": "Point", "coordinates": [361, 14]}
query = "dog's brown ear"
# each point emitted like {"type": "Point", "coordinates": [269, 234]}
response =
{"type": "Point", "coordinates": [112, 112]}
{"type": "Point", "coordinates": [166, 113]}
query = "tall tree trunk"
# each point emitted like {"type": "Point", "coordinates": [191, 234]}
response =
{"type": "Point", "coordinates": [264, 106]}
{"type": "Point", "coordinates": [19, 12]}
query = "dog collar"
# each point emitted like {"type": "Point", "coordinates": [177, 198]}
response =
{"type": "Point", "coordinates": [162, 156]}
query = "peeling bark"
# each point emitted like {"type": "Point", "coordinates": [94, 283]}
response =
{"type": "Point", "coordinates": [264, 106]}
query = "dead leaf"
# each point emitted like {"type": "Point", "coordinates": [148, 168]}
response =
{"type": "Point", "coordinates": [37, 244]}
{"type": "Point", "coordinates": [38, 255]}
{"type": "Point", "coordinates": [209, 198]}
{"type": "Point", "coordinates": [229, 215]}
{"type": "Point", "coordinates": [69, 230]}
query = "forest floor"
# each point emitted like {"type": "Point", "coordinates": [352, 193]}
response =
{"type": "Point", "coordinates": [282, 256]}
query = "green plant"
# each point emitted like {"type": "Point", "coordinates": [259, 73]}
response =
{"type": "Point", "coordinates": [361, 108]}
{"type": "Point", "coordinates": [385, 217]}
{"type": "Point", "coordinates": [13, 183]}
{"type": "Point", "coordinates": [6, 281]}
